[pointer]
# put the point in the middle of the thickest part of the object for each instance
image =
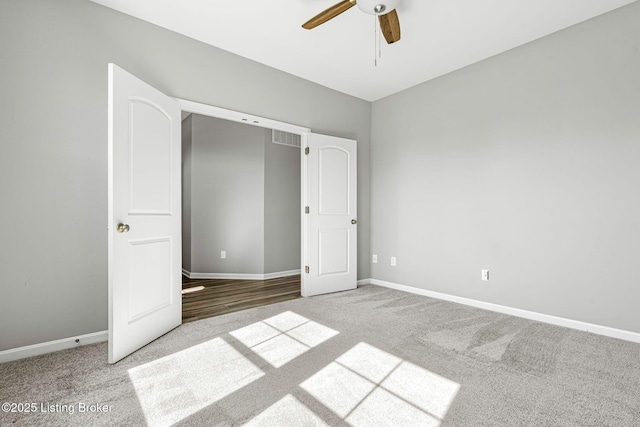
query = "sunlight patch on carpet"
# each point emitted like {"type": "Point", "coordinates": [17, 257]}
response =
{"type": "Point", "coordinates": [288, 411]}
{"type": "Point", "coordinates": [338, 388]}
{"type": "Point", "coordinates": [368, 386]}
{"type": "Point", "coordinates": [382, 408]}
{"type": "Point", "coordinates": [282, 338]}
{"type": "Point", "coordinates": [176, 386]}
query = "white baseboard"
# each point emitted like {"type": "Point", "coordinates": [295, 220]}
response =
{"type": "Point", "coordinates": [531, 315]}
{"type": "Point", "coordinates": [237, 276]}
{"type": "Point", "coordinates": [277, 274]}
{"type": "Point", "coordinates": [51, 346]}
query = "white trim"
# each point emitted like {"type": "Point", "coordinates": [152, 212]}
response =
{"type": "Point", "coordinates": [304, 218]}
{"type": "Point", "coordinates": [236, 116]}
{"type": "Point", "coordinates": [51, 346]}
{"type": "Point", "coordinates": [239, 276]}
{"type": "Point", "coordinates": [531, 315]}
{"type": "Point", "coordinates": [277, 274]}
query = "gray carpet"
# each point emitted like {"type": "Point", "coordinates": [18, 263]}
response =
{"type": "Point", "coordinates": [372, 356]}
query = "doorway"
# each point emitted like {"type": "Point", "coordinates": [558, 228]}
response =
{"type": "Point", "coordinates": [241, 215]}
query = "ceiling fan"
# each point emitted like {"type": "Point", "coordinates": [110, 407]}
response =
{"type": "Point", "coordinates": [385, 10]}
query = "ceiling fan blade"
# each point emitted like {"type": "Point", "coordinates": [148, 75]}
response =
{"type": "Point", "coordinates": [330, 13]}
{"type": "Point", "coordinates": [390, 26]}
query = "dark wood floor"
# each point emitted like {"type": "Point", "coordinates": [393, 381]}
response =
{"type": "Point", "coordinates": [221, 296]}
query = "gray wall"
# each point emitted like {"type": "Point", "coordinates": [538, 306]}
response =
{"type": "Point", "coordinates": [227, 197]}
{"type": "Point", "coordinates": [282, 207]}
{"type": "Point", "coordinates": [54, 56]}
{"type": "Point", "coordinates": [527, 164]}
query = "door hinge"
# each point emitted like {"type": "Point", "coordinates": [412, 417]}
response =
{"type": "Point", "coordinates": [306, 209]}
{"type": "Point", "coordinates": [306, 150]}
{"type": "Point", "coordinates": [306, 269]}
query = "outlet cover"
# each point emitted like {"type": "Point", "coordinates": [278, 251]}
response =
{"type": "Point", "coordinates": [393, 261]}
{"type": "Point", "coordinates": [374, 258]}
{"type": "Point", "coordinates": [223, 254]}
{"type": "Point", "coordinates": [485, 275]}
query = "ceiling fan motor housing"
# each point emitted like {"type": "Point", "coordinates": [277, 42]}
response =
{"type": "Point", "coordinates": [377, 7]}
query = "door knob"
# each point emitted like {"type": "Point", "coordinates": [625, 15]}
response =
{"type": "Point", "coordinates": [353, 221]}
{"type": "Point", "coordinates": [123, 228]}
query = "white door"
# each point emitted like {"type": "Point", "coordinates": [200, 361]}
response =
{"type": "Point", "coordinates": [331, 224]}
{"type": "Point", "coordinates": [145, 299]}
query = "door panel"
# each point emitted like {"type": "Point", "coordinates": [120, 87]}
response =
{"type": "Point", "coordinates": [150, 145]}
{"type": "Point", "coordinates": [334, 181]}
{"type": "Point", "coordinates": [150, 277]}
{"type": "Point", "coordinates": [330, 234]}
{"type": "Point", "coordinates": [144, 194]}
{"type": "Point", "coordinates": [333, 246]}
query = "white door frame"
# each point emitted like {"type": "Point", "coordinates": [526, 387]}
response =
{"type": "Point", "coordinates": [249, 119]}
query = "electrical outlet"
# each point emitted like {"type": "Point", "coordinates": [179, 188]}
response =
{"type": "Point", "coordinates": [393, 261]}
{"type": "Point", "coordinates": [374, 259]}
{"type": "Point", "coordinates": [485, 275]}
{"type": "Point", "coordinates": [223, 254]}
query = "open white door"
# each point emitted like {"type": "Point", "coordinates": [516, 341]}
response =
{"type": "Point", "coordinates": [331, 224]}
{"type": "Point", "coordinates": [145, 299]}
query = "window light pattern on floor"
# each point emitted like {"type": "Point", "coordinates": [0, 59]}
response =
{"type": "Point", "coordinates": [282, 338]}
{"type": "Point", "coordinates": [176, 386]}
{"type": "Point", "coordinates": [288, 411]}
{"type": "Point", "coordinates": [367, 386]}
{"type": "Point", "coordinates": [364, 386]}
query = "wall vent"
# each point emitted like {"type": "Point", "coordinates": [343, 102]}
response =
{"type": "Point", "coordinates": [285, 138]}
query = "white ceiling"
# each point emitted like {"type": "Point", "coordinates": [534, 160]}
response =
{"type": "Point", "coordinates": [438, 36]}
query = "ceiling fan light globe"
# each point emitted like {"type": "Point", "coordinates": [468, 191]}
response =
{"type": "Point", "coordinates": [377, 7]}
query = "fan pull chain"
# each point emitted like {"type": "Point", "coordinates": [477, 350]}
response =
{"type": "Point", "coordinates": [375, 42]}
{"type": "Point", "coordinates": [379, 40]}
